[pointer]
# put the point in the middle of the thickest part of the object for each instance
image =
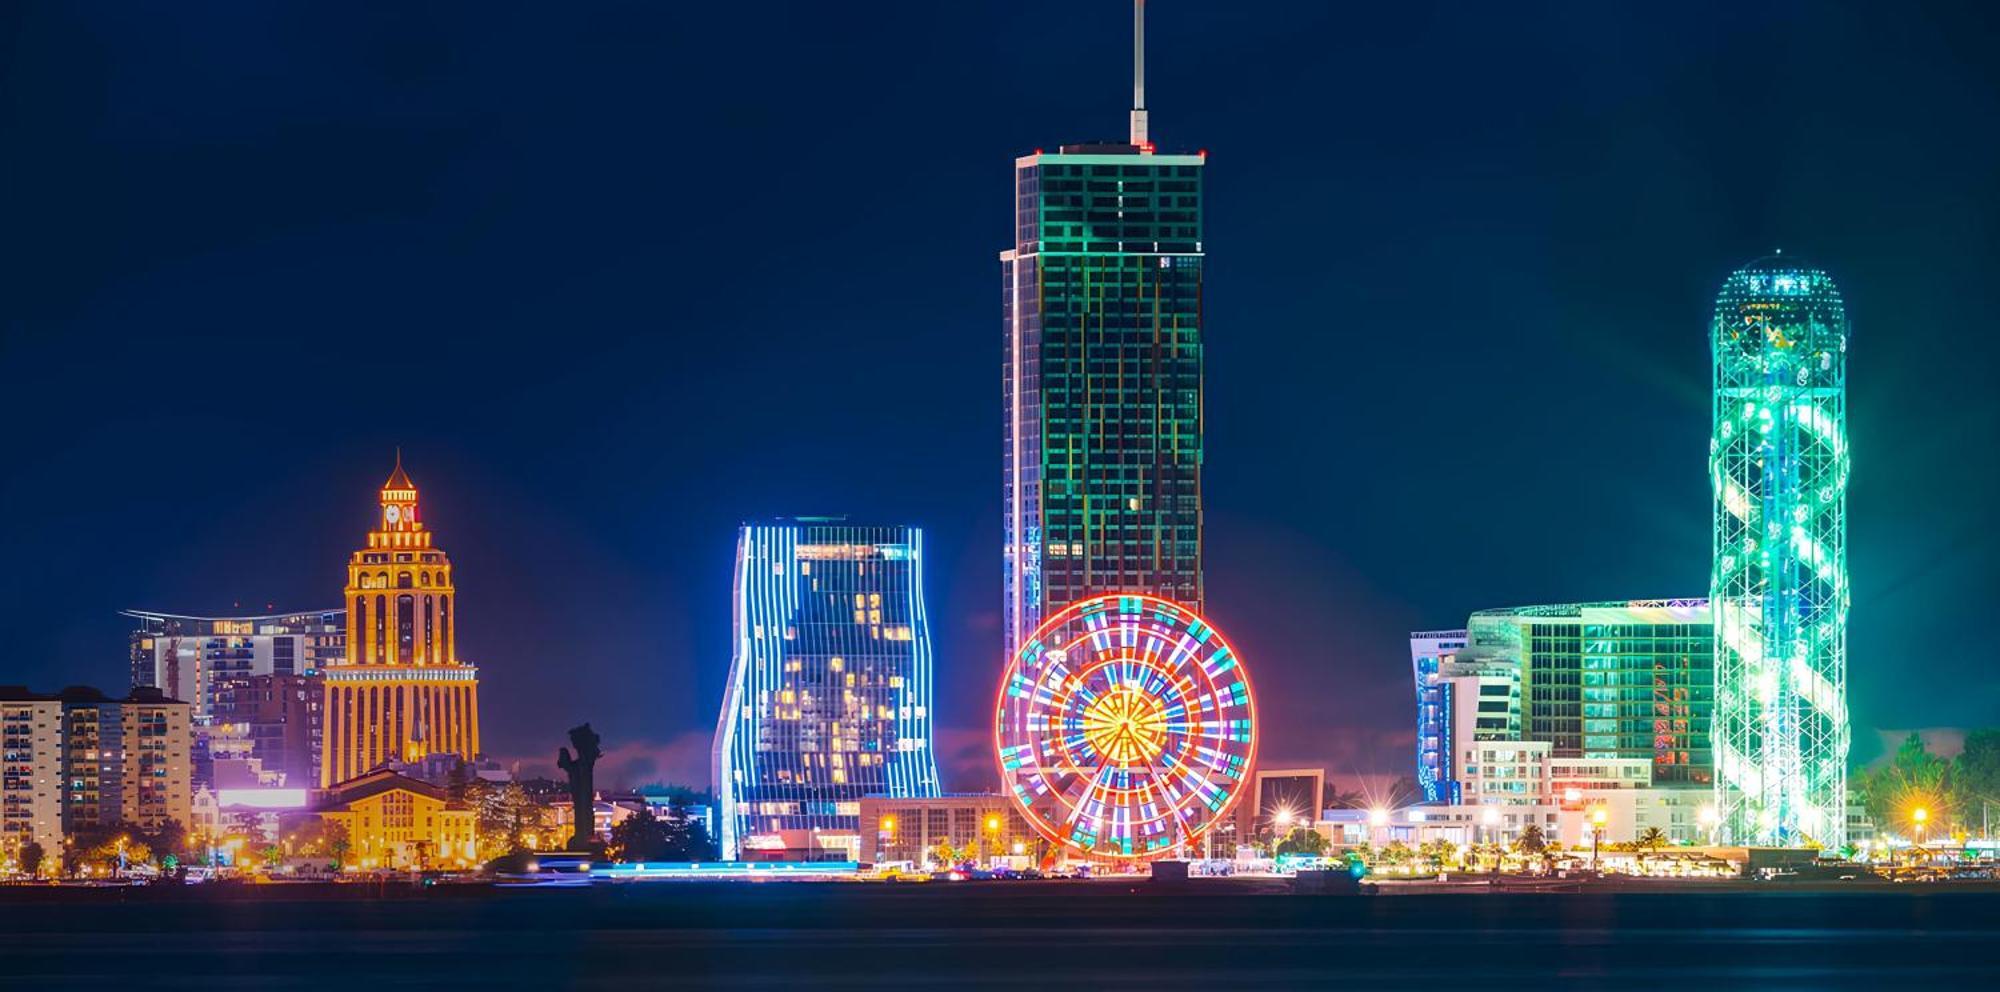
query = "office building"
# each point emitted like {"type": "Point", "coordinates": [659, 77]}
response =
{"type": "Point", "coordinates": [1102, 376]}
{"type": "Point", "coordinates": [31, 772]}
{"type": "Point", "coordinates": [194, 658]}
{"type": "Point", "coordinates": [1778, 464]}
{"type": "Point", "coordinates": [830, 685]}
{"type": "Point", "coordinates": [400, 693]}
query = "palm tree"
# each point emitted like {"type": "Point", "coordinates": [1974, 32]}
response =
{"type": "Point", "coordinates": [1533, 844]}
{"type": "Point", "coordinates": [1531, 841]}
{"type": "Point", "coordinates": [1651, 839]}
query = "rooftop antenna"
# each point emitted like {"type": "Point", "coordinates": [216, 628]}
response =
{"type": "Point", "coordinates": [1139, 137]}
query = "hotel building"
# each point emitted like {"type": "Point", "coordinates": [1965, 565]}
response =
{"type": "Point", "coordinates": [401, 693]}
{"type": "Point", "coordinates": [1627, 680]}
{"type": "Point", "coordinates": [829, 690]}
{"type": "Point", "coordinates": [195, 658]}
{"type": "Point", "coordinates": [1101, 296]}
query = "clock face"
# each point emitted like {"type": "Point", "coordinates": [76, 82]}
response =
{"type": "Point", "coordinates": [393, 513]}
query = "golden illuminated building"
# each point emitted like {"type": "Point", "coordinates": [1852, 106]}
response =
{"type": "Point", "coordinates": [400, 693]}
{"type": "Point", "coordinates": [394, 821]}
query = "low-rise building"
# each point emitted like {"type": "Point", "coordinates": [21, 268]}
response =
{"type": "Point", "coordinates": [975, 826]}
{"type": "Point", "coordinates": [397, 822]}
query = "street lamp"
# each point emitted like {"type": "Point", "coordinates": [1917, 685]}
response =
{"type": "Point", "coordinates": [1708, 818]}
{"type": "Point", "coordinates": [1919, 817]}
{"type": "Point", "coordinates": [992, 839]}
{"type": "Point", "coordinates": [1597, 818]}
{"type": "Point", "coordinates": [1489, 819]}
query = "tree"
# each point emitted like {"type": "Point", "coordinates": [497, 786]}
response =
{"type": "Point", "coordinates": [504, 816]}
{"type": "Point", "coordinates": [168, 842]}
{"type": "Point", "coordinates": [31, 859]}
{"type": "Point", "coordinates": [1531, 841]}
{"type": "Point", "coordinates": [687, 839]}
{"type": "Point", "coordinates": [1303, 840]}
{"type": "Point", "coordinates": [639, 837]}
{"type": "Point", "coordinates": [105, 848]}
{"type": "Point", "coordinates": [1650, 839]}
{"type": "Point", "coordinates": [1913, 778]}
{"type": "Point", "coordinates": [1437, 853]}
{"type": "Point", "coordinates": [1397, 853]}
{"type": "Point", "coordinates": [1975, 775]}
{"type": "Point", "coordinates": [318, 836]}
{"type": "Point", "coordinates": [1333, 798]}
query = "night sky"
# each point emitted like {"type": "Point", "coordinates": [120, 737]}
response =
{"type": "Point", "coordinates": [619, 276]}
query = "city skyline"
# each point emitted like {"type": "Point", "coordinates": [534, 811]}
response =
{"type": "Point", "coordinates": [1362, 417]}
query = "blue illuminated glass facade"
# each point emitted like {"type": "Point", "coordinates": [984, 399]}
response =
{"type": "Point", "coordinates": [830, 687]}
{"type": "Point", "coordinates": [1436, 776]}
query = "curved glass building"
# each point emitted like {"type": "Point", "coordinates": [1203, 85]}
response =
{"type": "Point", "coordinates": [829, 692]}
{"type": "Point", "coordinates": [1778, 464]}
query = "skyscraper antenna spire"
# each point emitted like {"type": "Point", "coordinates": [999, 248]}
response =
{"type": "Point", "coordinates": [1139, 137]}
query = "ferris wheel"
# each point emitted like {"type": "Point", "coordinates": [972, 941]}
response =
{"type": "Point", "coordinates": [1125, 727]}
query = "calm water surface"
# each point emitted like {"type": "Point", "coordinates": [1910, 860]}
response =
{"type": "Point", "coordinates": [1082, 935]}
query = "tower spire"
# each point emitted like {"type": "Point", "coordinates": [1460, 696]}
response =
{"type": "Point", "coordinates": [1139, 136]}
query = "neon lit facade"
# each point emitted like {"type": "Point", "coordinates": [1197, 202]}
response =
{"type": "Point", "coordinates": [830, 688]}
{"type": "Point", "coordinates": [1102, 388]}
{"type": "Point", "coordinates": [401, 693]}
{"type": "Point", "coordinates": [1125, 728]}
{"type": "Point", "coordinates": [1625, 680]}
{"type": "Point", "coordinates": [1778, 464]}
{"type": "Point", "coordinates": [1430, 651]}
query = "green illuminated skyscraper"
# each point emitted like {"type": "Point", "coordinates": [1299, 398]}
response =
{"type": "Point", "coordinates": [1102, 304]}
{"type": "Point", "coordinates": [1778, 463]}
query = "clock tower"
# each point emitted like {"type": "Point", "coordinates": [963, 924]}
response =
{"type": "Point", "coordinates": [401, 693]}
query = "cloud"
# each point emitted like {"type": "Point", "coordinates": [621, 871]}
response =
{"type": "Point", "coordinates": [682, 760]}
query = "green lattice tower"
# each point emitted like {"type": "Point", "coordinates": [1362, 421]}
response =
{"type": "Point", "coordinates": [1778, 463]}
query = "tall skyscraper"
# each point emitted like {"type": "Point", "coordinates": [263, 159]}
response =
{"type": "Point", "coordinates": [829, 692]}
{"type": "Point", "coordinates": [1778, 464]}
{"type": "Point", "coordinates": [400, 693]}
{"type": "Point", "coordinates": [1102, 387]}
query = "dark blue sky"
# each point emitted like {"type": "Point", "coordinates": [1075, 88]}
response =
{"type": "Point", "coordinates": [618, 276]}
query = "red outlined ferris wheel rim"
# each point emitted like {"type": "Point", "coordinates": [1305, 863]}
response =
{"type": "Point", "coordinates": [1070, 614]}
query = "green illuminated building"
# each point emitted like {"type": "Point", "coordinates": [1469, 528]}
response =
{"type": "Point", "coordinates": [1627, 679]}
{"type": "Point", "coordinates": [1102, 387]}
{"type": "Point", "coordinates": [1778, 463]}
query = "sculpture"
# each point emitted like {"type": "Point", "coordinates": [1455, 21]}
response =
{"type": "Point", "coordinates": [582, 787]}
